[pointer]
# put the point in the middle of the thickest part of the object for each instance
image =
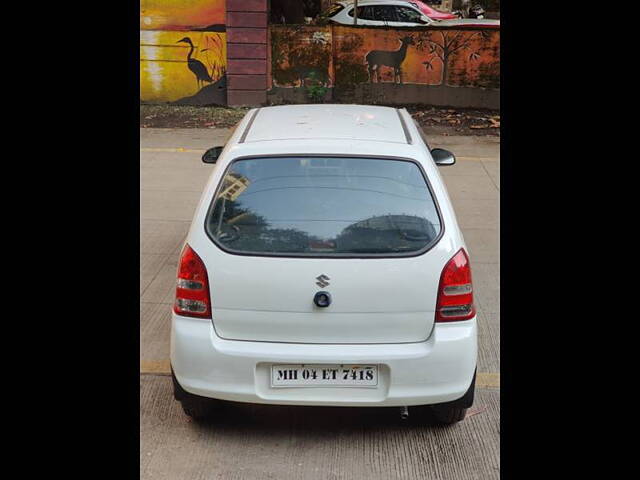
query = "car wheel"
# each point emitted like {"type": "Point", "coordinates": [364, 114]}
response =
{"type": "Point", "coordinates": [195, 406]}
{"type": "Point", "coordinates": [452, 412]}
{"type": "Point", "coordinates": [198, 408]}
{"type": "Point", "coordinates": [447, 415]}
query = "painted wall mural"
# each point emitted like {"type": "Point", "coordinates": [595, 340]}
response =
{"type": "Point", "coordinates": [430, 61]}
{"type": "Point", "coordinates": [182, 15]}
{"type": "Point", "coordinates": [301, 55]}
{"type": "Point", "coordinates": [426, 56]}
{"type": "Point", "coordinates": [181, 62]}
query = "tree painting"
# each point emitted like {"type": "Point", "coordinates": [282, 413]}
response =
{"type": "Point", "coordinates": [448, 43]}
{"type": "Point", "coordinates": [300, 57]}
{"type": "Point", "coordinates": [350, 69]}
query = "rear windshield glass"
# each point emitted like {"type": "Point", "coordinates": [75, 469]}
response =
{"type": "Point", "coordinates": [323, 207]}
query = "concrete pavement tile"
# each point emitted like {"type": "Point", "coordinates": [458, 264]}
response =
{"type": "Point", "coordinates": [463, 167]}
{"type": "Point", "coordinates": [168, 205]}
{"type": "Point", "coordinates": [493, 169]}
{"type": "Point", "coordinates": [162, 288]}
{"type": "Point", "coordinates": [174, 178]}
{"type": "Point", "coordinates": [494, 320]}
{"type": "Point", "coordinates": [273, 442]}
{"type": "Point", "coordinates": [173, 160]}
{"type": "Point", "coordinates": [467, 146]}
{"type": "Point", "coordinates": [488, 342]}
{"type": "Point", "coordinates": [150, 265]}
{"type": "Point", "coordinates": [483, 244]}
{"type": "Point", "coordinates": [162, 237]}
{"type": "Point", "coordinates": [486, 286]}
{"type": "Point", "coordinates": [475, 187]}
{"type": "Point", "coordinates": [155, 330]}
{"type": "Point", "coordinates": [202, 138]}
{"type": "Point", "coordinates": [476, 213]}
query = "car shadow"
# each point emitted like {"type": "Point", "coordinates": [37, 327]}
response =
{"type": "Point", "coordinates": [284, 418]}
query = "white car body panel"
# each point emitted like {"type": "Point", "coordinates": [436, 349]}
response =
{"type": "Point", "coordinates": [383, 308]}
{"type": "Point", "coordinates": [438, 370]}
{"type": "Point", "coordinates": [269, 298]}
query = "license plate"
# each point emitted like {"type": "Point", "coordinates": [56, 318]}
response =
{"type": "Point", "coordinates": [324, 375]}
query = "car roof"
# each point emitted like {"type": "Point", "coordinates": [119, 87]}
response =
{"type": "Point", "coordinates": [333, 122]}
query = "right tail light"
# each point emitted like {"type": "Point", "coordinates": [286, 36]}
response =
{"type": "Point", "coordinates": [455, 292]}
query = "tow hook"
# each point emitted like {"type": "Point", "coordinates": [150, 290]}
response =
{"type": "Point", "coordinates": [404, 413]}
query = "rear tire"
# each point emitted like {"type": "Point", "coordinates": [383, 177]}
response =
{"type": "Point", "coordinates": [198, 408]}
{"type": "Point", "coordinates": [446, 415]}
{"type": "Point", "coordinates": [455, 411]}
{"type": "Point", "coordinates": [194, 406]}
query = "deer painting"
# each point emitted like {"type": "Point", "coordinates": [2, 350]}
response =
{"type": "Point", "coordinates": [390, 58]}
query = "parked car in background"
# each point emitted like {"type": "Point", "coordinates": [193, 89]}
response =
{"type": "Point", "coordinates": [432, 12]}
{"type": "Point", "coordinates": [470, 11]}
{"type": "Point", "coordinates": [395, 13]}
{"type": "Point", "coordinates": [324, 266]}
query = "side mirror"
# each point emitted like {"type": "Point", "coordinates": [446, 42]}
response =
{"type": "Point", "coordinates": [443, 157]}
{"type": "Point", "coordinates": [425, 19]}
{"type": "Point", "coordinates": [211, 155]}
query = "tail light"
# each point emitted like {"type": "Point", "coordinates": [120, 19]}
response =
{"type": "Point", "coordinates": [192, 289]}
{"type": "Point", "coordinates": [455, 292]}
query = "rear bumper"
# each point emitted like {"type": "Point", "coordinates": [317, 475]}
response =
{"type": "Point", "coordinates": [435, 371]}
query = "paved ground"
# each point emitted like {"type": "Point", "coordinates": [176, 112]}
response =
{"type": "Point", "coordinates": [270, 442]}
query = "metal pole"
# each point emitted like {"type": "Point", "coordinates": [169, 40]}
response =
{"type": "Point", "coordinates": [355, 12]}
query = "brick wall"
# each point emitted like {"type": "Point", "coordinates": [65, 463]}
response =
{"type": "Point", "coordinates": [247, 52]}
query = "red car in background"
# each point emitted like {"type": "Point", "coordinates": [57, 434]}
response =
{"type": "Point", "coordinates": [432, 12]}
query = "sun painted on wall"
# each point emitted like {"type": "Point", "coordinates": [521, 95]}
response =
{"type": "Point", "coordinates": [181, 14]}
{"type": "Point", "coordinates": [183, 51]}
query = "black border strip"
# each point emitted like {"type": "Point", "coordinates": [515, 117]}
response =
{"type": "Point", "coordinates": [246, 130]}
{"type": "Point", "coordinates": [417, 253]}
{"type": "Point", "coordinates": [404, 127]}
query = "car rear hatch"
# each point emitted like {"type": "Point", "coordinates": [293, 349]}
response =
{"type": "Point", "coordinates": [372, 301]}
{"type": "Point", "coordinates": [363, 230]}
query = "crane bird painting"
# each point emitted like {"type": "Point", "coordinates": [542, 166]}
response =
{"type": "Point", "coordinates": [197, 67]}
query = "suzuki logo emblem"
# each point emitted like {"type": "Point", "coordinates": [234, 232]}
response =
{"type": "Point", "coordinates": [322, 280]}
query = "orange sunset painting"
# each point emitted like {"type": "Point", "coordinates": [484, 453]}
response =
{"type": "Point", "coordinates": [183, 52]}
{"type": "Point", "coordinates": [181, 14]}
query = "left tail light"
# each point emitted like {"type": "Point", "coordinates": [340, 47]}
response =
{"type": "Point", "coordinates": [192, 288]}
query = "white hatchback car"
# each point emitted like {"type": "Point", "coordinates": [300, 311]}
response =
{"type": "Point", "coordinates": [324, 266]}
{"type": "Point", "coordinates": [395, 13]}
